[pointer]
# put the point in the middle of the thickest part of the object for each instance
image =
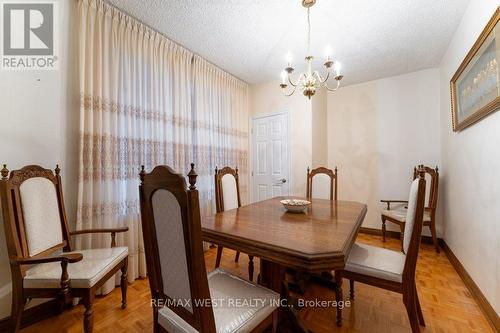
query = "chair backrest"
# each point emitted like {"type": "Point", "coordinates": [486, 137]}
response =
{"type": "Point", "coordinates": [227, 189]}
{"type": "Point", "coordinates": [33, 212]}
{"type": "Point", "coordinates": [174, 252]}
{"type": "Point", "coordinates": [413, 225]}
{"type": "Point", "coordinates": [322, 183]}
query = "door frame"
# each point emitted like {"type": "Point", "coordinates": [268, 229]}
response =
{"type": "Point", "coordinates": [288, 117]}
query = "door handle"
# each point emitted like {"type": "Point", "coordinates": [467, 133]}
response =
{"type": "Point", "coordinates": [283, 180]}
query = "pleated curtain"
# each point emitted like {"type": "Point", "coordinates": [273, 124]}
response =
{"type": "Point", "coordinates": [146, 100]}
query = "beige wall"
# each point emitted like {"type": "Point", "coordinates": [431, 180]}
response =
{"type": "Point", "coordinates": [378, 131]}
{"type": "Point", "coordinates": [267, 98]}
{"type": "Point", "coordinates": [471, 170]}
{"type": "Point", "coordinates": [39, 112]}
{"type": "Point", "coordinates": [319, 126]}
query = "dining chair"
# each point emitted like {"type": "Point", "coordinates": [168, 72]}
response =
{"type": "Point", "coordinates": [322, 183]}
{"type": "Point", "coordinates": [184, 298]}
{"type": "Point", "coordinates": [42, 261]}
{"type": "Point", "coordinates": [398, 216]}
{"type": "Point", "coordinates": [393, 270]}
{"type": "Point", "coordinates": [227, 196]}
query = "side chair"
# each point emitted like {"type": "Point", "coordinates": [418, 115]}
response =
{"type": "Point", "coordinates": [322, 183]}
{"type": "Point", "coordinates": [393, 270]}
{"type": "Point", "coordinates": [227, 196]}
{"type": "Point", "coordinates": [180, 287]}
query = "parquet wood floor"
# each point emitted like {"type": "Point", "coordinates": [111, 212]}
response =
{"type": "Point", "coordinates": [446, 302]}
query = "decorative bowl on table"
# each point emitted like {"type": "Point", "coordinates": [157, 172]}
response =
{"type": "Point", "coordinates": [295, 205]}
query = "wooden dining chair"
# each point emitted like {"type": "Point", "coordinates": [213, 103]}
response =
{"type": "Point", "coordinates": [393, 270]}
{"type": "Point", "coordinates": [227, 196]}
{"type": "Point", "coordinates": [398, 216]}
{"type": "Point", "coordinates": [183, 296]}
{"type": "Point", "coordinates": [42, 263]}
{"type": "Point", "coordinates": [322, 183]}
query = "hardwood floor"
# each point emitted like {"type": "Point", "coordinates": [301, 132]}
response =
{"type": "Point", "coordinates": [446, 302]}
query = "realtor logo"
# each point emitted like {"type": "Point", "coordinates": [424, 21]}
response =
{"type": "Point", "coordinates": [28, 35]}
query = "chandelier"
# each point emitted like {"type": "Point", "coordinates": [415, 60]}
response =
{"type": "Point", "coordinates": [311, 80]}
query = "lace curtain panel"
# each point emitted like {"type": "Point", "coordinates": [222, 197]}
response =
{"type": "Point", "coordinates": [147, 100]}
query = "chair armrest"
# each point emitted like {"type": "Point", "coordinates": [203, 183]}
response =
{"type": "Point", "coordinates": [97, 231]}
{"type": "Point", "coordinates": [63, 257]}
{"type": "Point", "coordinates": [113, 232]}
{"type": "Point", "coordinates": [388, 202]}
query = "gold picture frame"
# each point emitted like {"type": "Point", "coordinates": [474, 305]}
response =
{"type": "Point", "coordinates": [475, 87]}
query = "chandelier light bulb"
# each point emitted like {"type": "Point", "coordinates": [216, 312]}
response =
{"type": "Point", "coordinates": [337, 67]}
{"type": "Point", "coordinates": [283, 77]}
{"type": "Point", "coordinates": [289, 58]}
{"type": "Point", "coordinates": [328, 52]}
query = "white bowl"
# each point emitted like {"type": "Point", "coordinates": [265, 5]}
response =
{"type": "Point", "coordinates": [295, 205]}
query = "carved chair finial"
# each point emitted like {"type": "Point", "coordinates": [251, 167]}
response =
{"type": "Point", "coordinates": [216, 170]}
{"type": "Point", "coordinates": [192, 178]}
{"type": "Point", "coordinates": [57, 170]}
{"type": "Point", "coordinates": [5, 172]}
{"type": "Point", "coordinates": [142, 174]}
{"type": "Point", "coordinates": [421, 172]}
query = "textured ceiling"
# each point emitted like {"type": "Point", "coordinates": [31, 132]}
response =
{"type": "Point", "coordinates": [250, 38]}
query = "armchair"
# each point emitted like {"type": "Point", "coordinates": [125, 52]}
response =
{"type": "Point", "coordinates": [398, 215]}
{"type": "Point", "coordinates": [39, 247]}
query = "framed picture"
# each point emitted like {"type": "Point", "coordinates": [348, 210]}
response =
{"type": "Point", "coordinates": [475, 87]}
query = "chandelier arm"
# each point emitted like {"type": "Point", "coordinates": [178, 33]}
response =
{"type": "Point", "coordinates": [332, 89]}
{"type": "Point", "coordinates": [320, 79]}
{"type": "Point", "coordinates": [290, 93]}
{"type": "Point", "coordinates": [326, 78]}
{"type": "Point", "coordinates": [296, 83]}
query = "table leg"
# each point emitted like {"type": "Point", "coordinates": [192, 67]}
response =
{"type": "Point", "coordinates": [339, 296]}
{"type": "Point", "coordinates": [273, 276]}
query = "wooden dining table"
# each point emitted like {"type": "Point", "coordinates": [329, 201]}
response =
{"type": "Point", "coordinates": [316, 240]}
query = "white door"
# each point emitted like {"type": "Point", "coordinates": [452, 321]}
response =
{"type": "Point", "coordinates": [270, 156]}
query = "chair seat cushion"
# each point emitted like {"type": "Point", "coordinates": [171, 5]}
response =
{"type": "Point", "coordinates": [376, 262]}
{"type": "Point", "coordinates": [96, 263]}
{"type": "Point", "coordinates": [242, 315]}
{"type": "Point", "coordinates": [399, 214]}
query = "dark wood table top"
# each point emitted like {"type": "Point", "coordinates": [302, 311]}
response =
{"type": "Point", "coordinates": [316, 240]}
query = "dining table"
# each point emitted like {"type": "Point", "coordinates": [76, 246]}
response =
{"type": "Point", "coordinates": [317, 240]}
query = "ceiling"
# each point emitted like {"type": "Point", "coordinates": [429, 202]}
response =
{"type": "Point", "coordinates": [250, 38]}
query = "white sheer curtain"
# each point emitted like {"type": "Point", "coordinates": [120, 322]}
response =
{"type": "Point", "coordinates": [220, 108]}
{"type": "Point", "coordinates": [147, 100]}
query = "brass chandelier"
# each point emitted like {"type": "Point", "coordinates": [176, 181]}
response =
{"type": "Point", "coordinates": [310, 80]}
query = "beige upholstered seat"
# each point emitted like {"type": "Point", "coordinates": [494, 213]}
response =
{"type": "Point", "coordinates": [96, 263]}
{"type": "Point", "coordinates": [400, 214]}
{"type": "Point", "coordinates": [376, 261]}
{"type": "Point", "coordinates": [239, 316]}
